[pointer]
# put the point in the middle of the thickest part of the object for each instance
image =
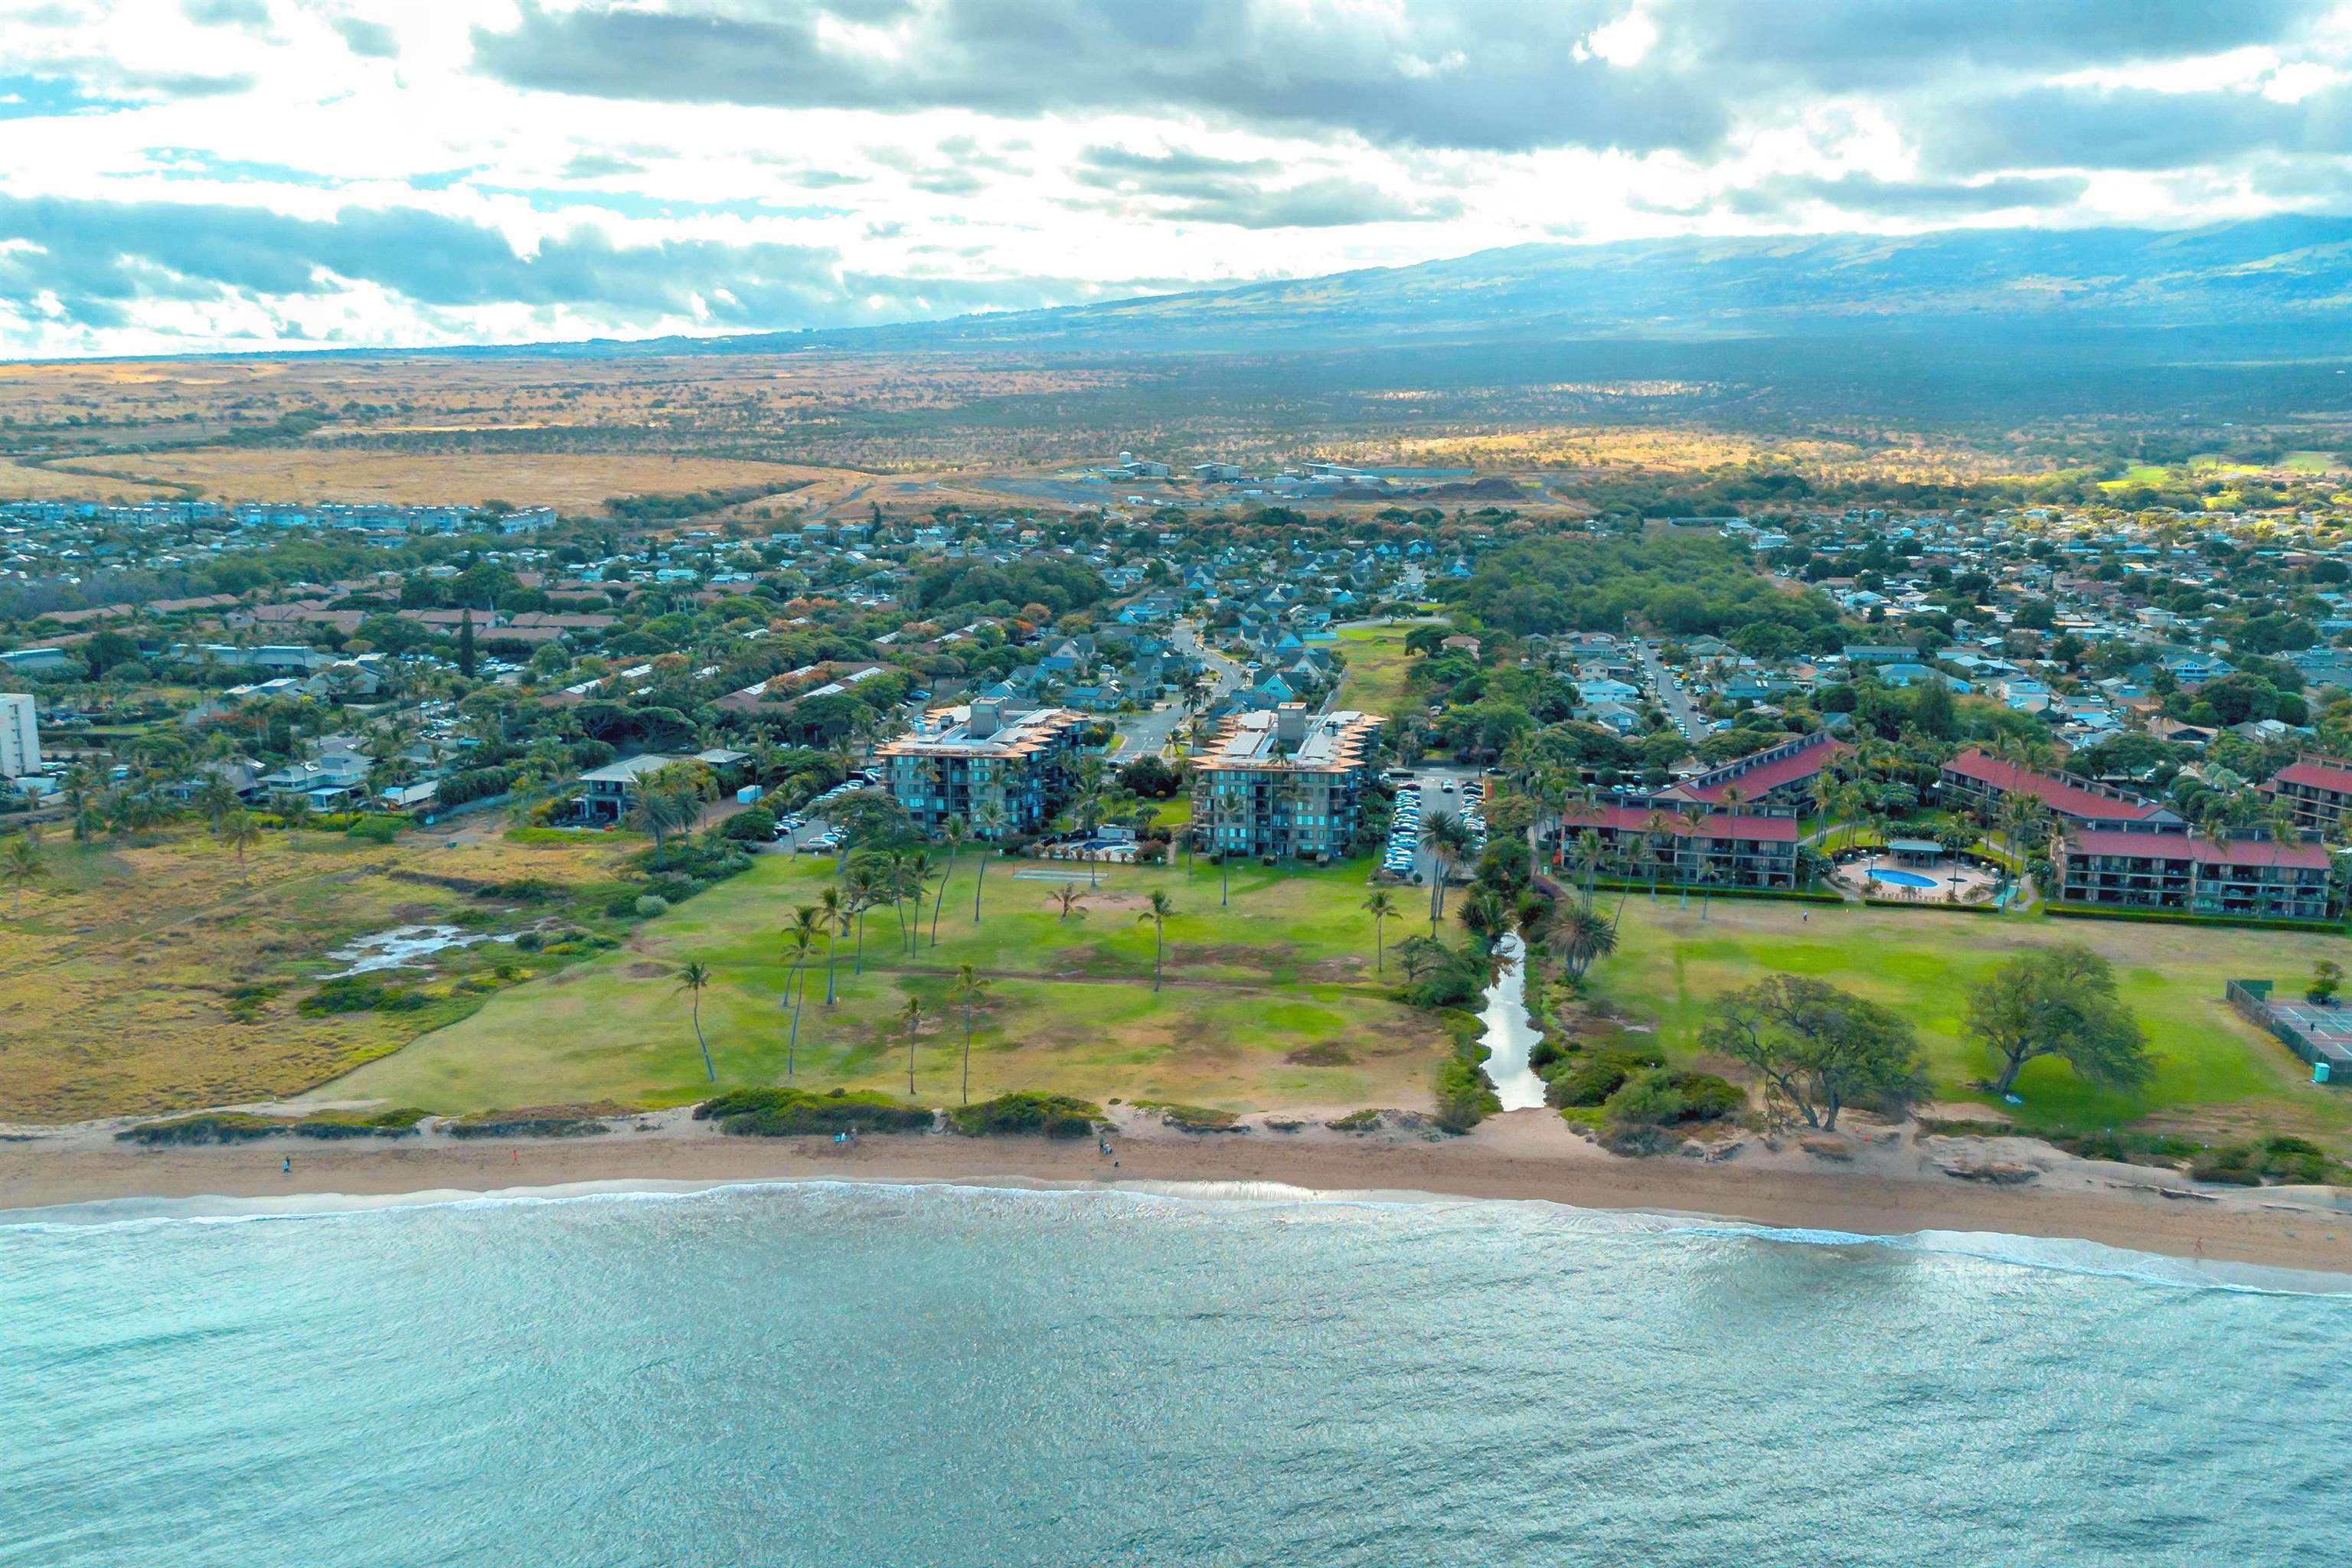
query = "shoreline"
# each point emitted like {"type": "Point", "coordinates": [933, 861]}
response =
{"type": "Point", "coordinates": [1887, 1185]}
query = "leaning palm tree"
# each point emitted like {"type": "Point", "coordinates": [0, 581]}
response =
{"type": "Point", "coordinates": [1157, 910]}
{"type": "Point", "coordinates": [863, 883]}
{"type": "Point", "coordinates": [970, 990]}
{"type": "Point", "coordinates": [799, 937]}
{"type": "Point", "coordinates": [694, 980]}
{"type": "Point", "coordinates": [1708, 874]}
{"type": "Point", "coordinates": [1068, 896]}
{"type": "Point", "coordinates": [21, 864]}
{"type": "Point", "coordinates": [988, 821]}
{"type": "Point", "coordinates": [912, 1012]}
{"type": "Point", "coordinates": [952, 833]}
{"type": "Point", "coordinates": [1382, 907]}
{"type": "Point", "coordinates": [239, 832]}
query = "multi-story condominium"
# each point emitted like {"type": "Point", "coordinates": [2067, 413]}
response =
{"type": "Point", "coordinates": [2247, 874]}
{"type": "Point", "coordinates": [1786, 777]}
{"type": "Point", "coordinates": [1285, 782]}
{"type": "Point", "coordinates": [2318, 789]}
{"type": "Point", "coordinates": [985, 755]}
{"type": "Point", "coordinates": [20, 738]}
{"type": "Point", "coordinates": [1643, 844]}
{"type": "Point", "coordinates": [1975, 782]}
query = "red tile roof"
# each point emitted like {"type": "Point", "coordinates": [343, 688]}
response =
{"type": "Point", "coordinates": [1802, 764]}
{"type": "Point", "coordinates": [2189, 847]}
{"type": "Point", "coordinates": [1630, 819]}
{"type": "Point", "coordinates": [2061, 795]}
{"type": "Point", "coordinates": [2318, 774]}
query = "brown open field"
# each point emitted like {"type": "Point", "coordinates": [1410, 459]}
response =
{"type": "Point", "coordinates": [118, 979]}
{"type": "Point", "coordinates": [20, 482]}
{"type": "Point", "coordinates": [571, 483]}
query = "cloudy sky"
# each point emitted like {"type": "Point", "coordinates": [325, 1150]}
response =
{"type": "Point", "coordinates": [187, 174]}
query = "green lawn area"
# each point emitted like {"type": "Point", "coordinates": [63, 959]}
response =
{"type": "Point", "coordinates": [1284, 970]}
{"type": "Point", "coordinates": [2216, 1073]}
{"type": "Point", "coordinates": [1377, 663]}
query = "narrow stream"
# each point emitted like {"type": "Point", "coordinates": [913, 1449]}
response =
{"type": "Point", "coordinates": [1510, 1033]}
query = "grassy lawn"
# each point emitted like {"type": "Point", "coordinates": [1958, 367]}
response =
{"type": "Point", "coordinates": [2215, 1073]}
{"type": "Point", "coordinates": [1377, 662]}
{"type": "Point", "coordinates": [120, 981]}
{"type": "Point", "coordinates": [1269, 1001]}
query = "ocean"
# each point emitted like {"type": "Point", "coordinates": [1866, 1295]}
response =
{"type": "Point", "coordinates": [830, 1373]}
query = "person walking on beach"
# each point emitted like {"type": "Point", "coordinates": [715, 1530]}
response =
{"type": "Point", "coordinates": [287, 1168]}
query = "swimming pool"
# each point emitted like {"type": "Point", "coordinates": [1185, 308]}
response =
{"type": "Point", "coordinates": [1901, 878]}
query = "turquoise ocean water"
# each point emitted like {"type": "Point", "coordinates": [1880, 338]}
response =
{"type": "Point", "coordinates": [879, 1375]}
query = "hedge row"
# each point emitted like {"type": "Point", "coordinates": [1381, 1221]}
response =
{"type": "Point", "coordinates": [1795, 895]}
{"type": "Point", "coordinates": [2180, 918]}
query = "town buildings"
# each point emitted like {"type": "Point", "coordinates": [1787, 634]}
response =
{"type": "Point", "coordinates": [2317, 789]}
{"type": "Point", "coordinates": [1646, 843]}
{"type": "Point", "coordinates": [984, 754]}
{"type": "Point", "coordinates": [1975, 782]}
{"type": "Point", "coordinates": [2244, 875]}
{"type": "Point", "coordinates": [20, 738]}
{"type": "Point", "coordinates": [1285, 782]}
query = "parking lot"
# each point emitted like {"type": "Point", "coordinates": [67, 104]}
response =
{"type": "Point", "coordinates": [1422, 795]}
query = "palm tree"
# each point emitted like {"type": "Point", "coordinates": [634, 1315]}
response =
{"type": "Point", "coordinates": [1448, 837]}
{"type": "Point", "coordinates": [1157, 910]}
{"type": "Point", "coordinates": [834, 911]}
{"type": "Point", "coordinates": [864, 883]}
{"type": "Point", "coordinates": [1382, 906]}
{"type": "Point", "coordinates": [694, 980]}
{"type": "Point", "coordinates": [1708, 875]}
{"type": "Point", "coordinates": [1483, 916]}
{"type": "Point", "coordinates": [1656, 826]}
{"type": "Point", "coordinates": [989, 820]}
{"type": "Point", "coordinates": [1578, 935]}
{"type": "Point", "coordinates": [954, 832]}
{"type": "Point", "coordinates": [916, 872]}
{"type": "Point", "coordinates": [803, 934]}
{"type": "Point", "coordinates": [1067, 895]}
{"type": "Point", "coordinates": [239, 832]}
{"type": "Point", "coordinates": [21, 863]}
{"type": "Point", "coordinates": [969, 989]}
{"type": "Point", "coordinates": [216, 799]}
{"type": "Point", "coordinates": [1588, 857]}
{"type": "Point", "coordinates": [913, 1014]}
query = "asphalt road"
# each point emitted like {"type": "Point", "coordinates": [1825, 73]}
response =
{"type": "Point", "coordinates": [1668, 689]}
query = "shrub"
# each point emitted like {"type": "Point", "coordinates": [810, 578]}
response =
{"type": "Point", "coordinates": [346, 993]}
{"type": "Point", "coordinates": [1591, 1080]}
{"type": "Point", "coordinates": [1365, 1121]}
{"type": "Point", "coordinates": [648, 905]}
{"type": "Point", "coordinates": [400, 1123]}
{"type": "Point", "coordinates": [1668, 1097]}
{"type": "Point", "coordinates": [1054, 1115]}
{"type": "Point", "coordinates": [529, 941]}
{"type": "Point", "coordinates": [753, 824]}
{"type": "Point", "coordinates": [546, 1121]}
{"type": "Point", "coordinates": [1465, 1095]}
{"type": "Point", "coordinates": [374, 829]}
{"type": "Point", "coordinates": [219, 1127]}
{"type": "Point", "coordinates": [1192, 1118]}
{"type": "Point", "coordinates": [789, 1112]}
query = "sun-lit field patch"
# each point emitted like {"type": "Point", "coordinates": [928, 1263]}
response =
{"type": "Point", "coordinates": [1284, 968]}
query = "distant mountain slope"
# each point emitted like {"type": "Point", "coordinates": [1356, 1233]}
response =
{"type": "Point", "coordinates": [2267, 273]}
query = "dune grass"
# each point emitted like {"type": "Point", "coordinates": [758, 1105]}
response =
{"type": "Point", "coordinates": [155, 975]}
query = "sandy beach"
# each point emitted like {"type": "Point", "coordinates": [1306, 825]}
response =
{"type": "Point", "coordinates": [1888, 1184]}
